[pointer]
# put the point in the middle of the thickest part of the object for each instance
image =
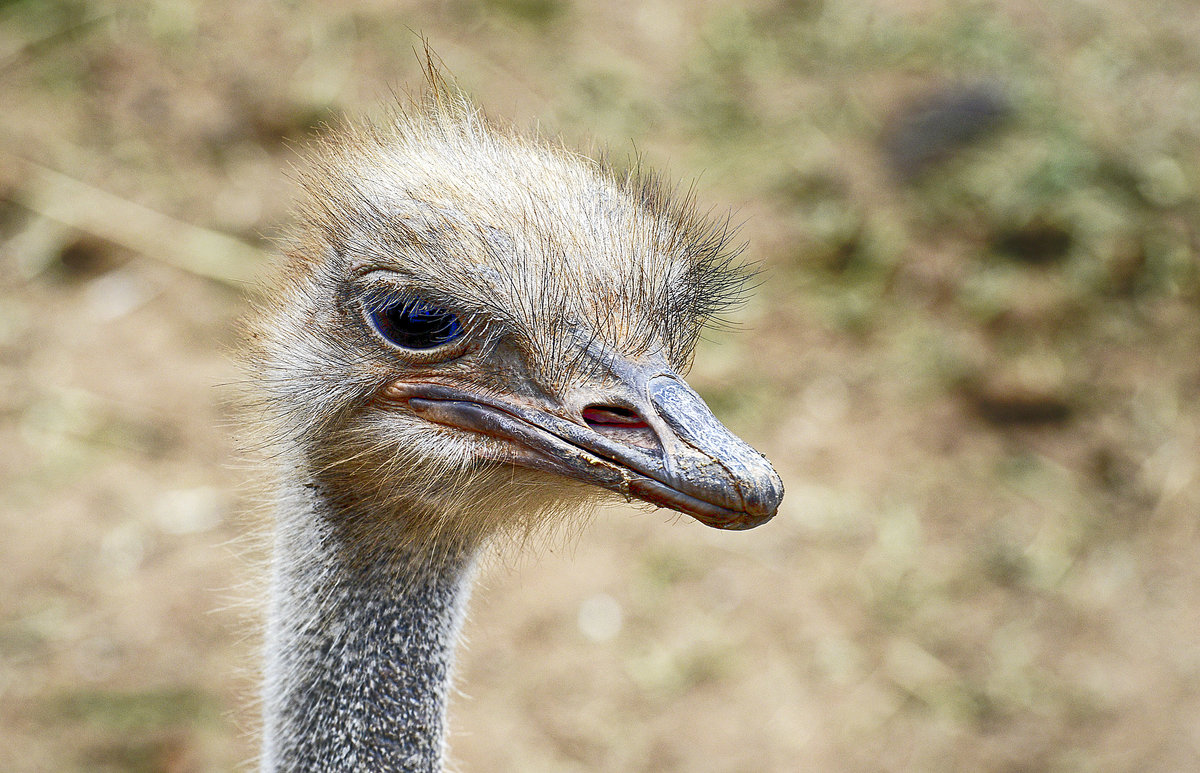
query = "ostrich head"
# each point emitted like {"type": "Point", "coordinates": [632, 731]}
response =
{"type": "Point", "coordinates": [475, 330]}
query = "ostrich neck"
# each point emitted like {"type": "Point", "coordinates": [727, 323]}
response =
{"type": "Point", "coordinates": [359, 651]}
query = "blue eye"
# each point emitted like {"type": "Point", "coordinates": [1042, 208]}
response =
{"type": "Point", "coordinates": [410, 323]}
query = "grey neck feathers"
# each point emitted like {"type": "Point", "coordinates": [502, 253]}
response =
{"type": "Point", "coordinates": [359, 651]}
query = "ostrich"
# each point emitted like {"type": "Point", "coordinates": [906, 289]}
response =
{"type": "Point", "coordinates": [472, 333]}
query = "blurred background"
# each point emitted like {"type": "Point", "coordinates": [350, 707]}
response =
{"type": "Point", "coordinates": [972, 356]}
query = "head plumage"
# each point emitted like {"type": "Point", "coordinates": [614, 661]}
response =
{"type": "Point", "coordinates": [528, 243]}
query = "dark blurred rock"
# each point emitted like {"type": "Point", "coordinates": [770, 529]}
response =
{"type": "Point", "coordinates": [1007, 405]}
{"type": "Point", "coordinates": [1039, 242]}
{"type": "Point", "coordinates": [87, 257]}
{"type": "Point", "coordinates": [1007, 393]}
{"type": "Point", "coordinates": [931, 130]}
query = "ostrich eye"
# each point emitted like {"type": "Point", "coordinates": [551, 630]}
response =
{"type": "Point", "coordinates": [410, 323]}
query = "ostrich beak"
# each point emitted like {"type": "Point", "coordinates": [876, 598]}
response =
{"type": "Point", "coordinates": [670, 451]}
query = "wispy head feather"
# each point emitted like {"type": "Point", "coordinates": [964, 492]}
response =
{"type": "Point", "coordinates": [526, 242]}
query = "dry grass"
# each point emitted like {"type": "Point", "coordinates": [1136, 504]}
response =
{"type": "Point", "coordinates": [978, 381]}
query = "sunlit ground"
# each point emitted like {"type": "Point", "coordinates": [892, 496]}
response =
{"type": "Point", "coordinates": [972, 354]}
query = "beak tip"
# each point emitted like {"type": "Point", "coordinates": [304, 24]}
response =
{"type": "Point", "coordinates": [759, 498]}
{"type": "Point", "coordinates": [765, 496]}
{"type": "Point", "coordinates": [773, 492]}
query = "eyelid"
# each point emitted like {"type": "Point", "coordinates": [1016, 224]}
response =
{"type": "Point", "coordinates": [384, 284]}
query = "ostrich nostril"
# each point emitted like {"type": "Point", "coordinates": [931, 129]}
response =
{"type": "Point", "coordinates": [612, 417]}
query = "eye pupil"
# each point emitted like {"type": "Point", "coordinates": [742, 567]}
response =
{"type": "Point", "coordinates": [414, 324]}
